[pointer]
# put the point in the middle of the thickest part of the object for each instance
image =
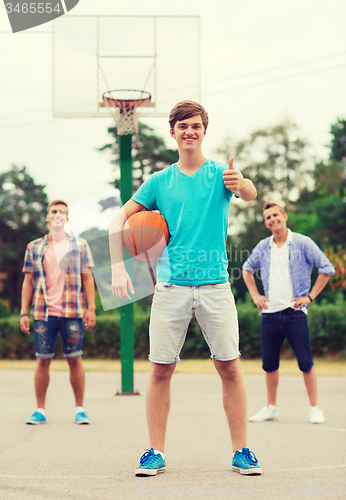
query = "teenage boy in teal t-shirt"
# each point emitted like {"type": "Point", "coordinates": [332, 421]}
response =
{"type": "Point", "coordinates": [194, 196]}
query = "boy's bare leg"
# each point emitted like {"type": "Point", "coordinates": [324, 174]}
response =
{"type": "Point", "coordinates": [234, 400]}
{"type": "Point", "coordinates": [310, 379]}
{"type": "Point", "coordinates": [77, 378]}
{"type": "Point", "coordinates": [158, 400]}
{"type": "Point", "coordinates": [272, 380]}
{"type": "Point", "coordinates": [42, 381]}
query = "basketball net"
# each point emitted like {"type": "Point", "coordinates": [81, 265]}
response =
{"type": "Point", "coordinates": [126, 119]}
{"type": "Point", "coordinates": [123, 108]}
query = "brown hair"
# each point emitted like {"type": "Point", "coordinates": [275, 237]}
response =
{"type": "Point", "coordinates": [186, 109]}
{"type": "Point", "coordinates": [57, 202]}
{"type": "Point", "coordinates": [270, 205]}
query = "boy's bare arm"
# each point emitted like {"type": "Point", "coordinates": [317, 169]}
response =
{"type": "Point", "coordinates": [121, 281]}
{"type": "Point", "coordinates": [320, 283]}
{"type": "Point", "coordinates": [258, 299]}
{"type": "Point", "coordinates": [241, 187]}
{"type": "Point", "coordinates": [27, 293]}
{"type": "Point", "coordinates": [89, 290]}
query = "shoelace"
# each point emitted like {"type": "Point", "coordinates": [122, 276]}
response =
{"type": "Point", "coordinates": [249, 455]}
{"type": "Point", "coordinates": [148, 457]}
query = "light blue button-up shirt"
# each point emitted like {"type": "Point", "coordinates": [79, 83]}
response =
{"type": "Point", "coordinates": [303, 255]}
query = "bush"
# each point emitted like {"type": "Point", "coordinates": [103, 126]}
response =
{"type": "Point", "coordinates": [5, 310]}
{"type": "Point", "coordinates": [103, 341]}
{"type": "Point", "coordinates": [249, 331]}
{"type": "Point", "coordinates": [327, 325]}
{"type": "Point", "coordinates": [14, 344]}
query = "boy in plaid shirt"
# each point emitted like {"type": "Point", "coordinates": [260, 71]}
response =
{"type": "Point", "coordinates": [57, 271]}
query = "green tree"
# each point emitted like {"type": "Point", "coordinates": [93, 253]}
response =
{"type": "Point", "coordinates": [274, 158]}
{"type": "Point", "coordinates": [149, 154]}
{"type": "Point", "coordinates": [338, 142]}
{"type": "Point", "coordinates": [23, 207]}
{"type": "Point", "coordinates": [99, 245]}
{"type": "Point", "coordinates": [338, 259]}
{"type": "Point", "coordinates": [320, 211]}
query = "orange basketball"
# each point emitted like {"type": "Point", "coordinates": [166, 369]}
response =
{"type": "Point", "coordinates": [145, 235]}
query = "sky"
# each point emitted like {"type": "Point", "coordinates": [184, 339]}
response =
{"type": "Point", "coordinates": [262, 62]}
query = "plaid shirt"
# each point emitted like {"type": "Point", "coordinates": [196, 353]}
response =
{"type": "Point", "coordinates": [77, 260]}
{"type": "Point", "coordinates": [303, 255]}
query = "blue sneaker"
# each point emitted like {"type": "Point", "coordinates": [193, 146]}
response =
{"type": "Point", "coordinates": [151, 464]}
{"type": "Point", "coordinates": [36, 418]}
{"type": "Point", "coordinates": [245, 462]}
{"type": "Point", "coordinates": [82, 418]}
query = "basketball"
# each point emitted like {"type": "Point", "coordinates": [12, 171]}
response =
{"type": "Point", "coordinates": [145, 235]}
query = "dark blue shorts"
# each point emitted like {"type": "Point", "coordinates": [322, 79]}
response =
{"type": "Point", "coordinates": [45, 333]}
{"type": "Point", "coordinates": [275, 327]}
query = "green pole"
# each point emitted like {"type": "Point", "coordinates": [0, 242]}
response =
{"type": "Point", "coordinates": [126, 309]}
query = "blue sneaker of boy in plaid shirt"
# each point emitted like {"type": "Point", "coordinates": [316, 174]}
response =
{"type": "Point", "coordinates": [151, 463]}
{"type": "Point", "coordinates": [245, 462]}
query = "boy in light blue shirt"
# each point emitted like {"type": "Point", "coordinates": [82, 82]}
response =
{"type": "Point", "coordinates": [194, 196]}
{"type": "Point", "coordinates": [196, 208]}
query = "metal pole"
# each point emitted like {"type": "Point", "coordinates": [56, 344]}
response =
{"type": "Point", "coordinates": [126, 309]}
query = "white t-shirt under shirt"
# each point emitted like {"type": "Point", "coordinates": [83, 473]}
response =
{"type": "Point", "coordinates": [280, 282]}
{"type": "Point", "coordinates": [55, 277]}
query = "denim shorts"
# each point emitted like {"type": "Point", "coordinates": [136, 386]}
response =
{"type": "Point", "coordinates": [45, 333]}
{"type": "Point", "coordinates": [173, 308]}
{"type": "Point", "coordinates": [275, 327]}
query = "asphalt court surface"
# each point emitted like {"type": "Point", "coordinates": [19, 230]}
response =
{"type": "Point", "coordinates": [60, 460]}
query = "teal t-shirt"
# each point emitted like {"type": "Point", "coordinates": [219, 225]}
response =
{"type": "Point", "coordinates": [196, 209]}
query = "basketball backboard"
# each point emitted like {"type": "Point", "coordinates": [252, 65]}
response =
{"type": "Point", "coordinates": [95, 54]}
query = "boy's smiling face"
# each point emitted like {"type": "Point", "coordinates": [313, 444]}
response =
{"type": "Point", "coordinates": [275, 218]}
{"type": "Point", "coordinates": [189, 133]}
{"type": "Point", "coordinates": [57, 216]}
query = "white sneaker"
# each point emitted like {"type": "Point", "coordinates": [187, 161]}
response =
{"type": "Point", "coordinates": [265, 413]}
{"type": "Point", "coordinates": [316, 415]}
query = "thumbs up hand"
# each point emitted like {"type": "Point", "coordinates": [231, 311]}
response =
{"type": "Point", "coordinates": [232, 179]}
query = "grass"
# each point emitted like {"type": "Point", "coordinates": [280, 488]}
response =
{"type": "Point", "coordinates": [324, 367]}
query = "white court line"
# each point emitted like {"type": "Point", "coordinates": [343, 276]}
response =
{"type": "Point", "coordinates": [110, 477]}
{"type": "Point", "coordinates": [329, 429]}
{"type": "Point", "coordinates": [17, 476]}
{"type": "Point", "coordinates": [307, 468]}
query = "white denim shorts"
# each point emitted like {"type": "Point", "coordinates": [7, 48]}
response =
{"type": "Point", "coordinates": [173, 308]}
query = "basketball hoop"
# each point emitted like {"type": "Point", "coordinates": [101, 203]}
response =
{"type": "Point", "coordinates": [123, 105]}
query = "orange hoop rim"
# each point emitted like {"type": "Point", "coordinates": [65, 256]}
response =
{"type": "Point", "coordinates": [117, 102]}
